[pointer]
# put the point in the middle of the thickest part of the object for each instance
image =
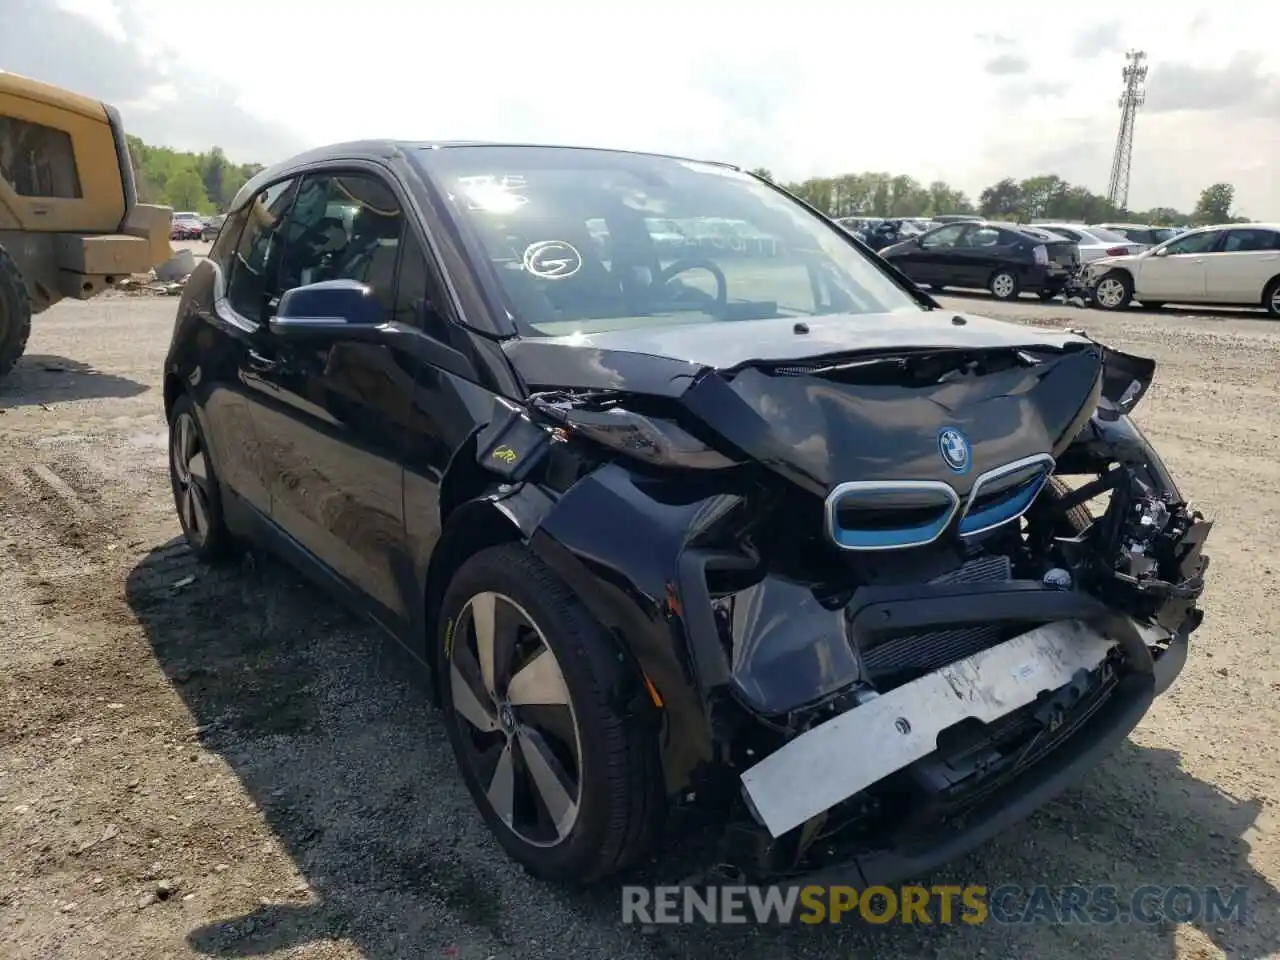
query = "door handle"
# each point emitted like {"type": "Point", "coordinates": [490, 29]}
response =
{"type": "Point", "coordinates": [260, 363]}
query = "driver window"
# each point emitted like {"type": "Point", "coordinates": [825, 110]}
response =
{"type": "Point", "coordinates": [257, 254]}
{"type": "Point", "coordinates": [1194, 243]}
{"type": "Point", "coordinates": [343, 227]}
{"type": "Point", "coordinates": [943, 237]}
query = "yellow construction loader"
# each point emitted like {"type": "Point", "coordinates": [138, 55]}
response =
{"type": "Point", "coordinates": [70, 221]}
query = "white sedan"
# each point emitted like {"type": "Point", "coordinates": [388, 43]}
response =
{"type": "Point", "coordinates": [1093, 242]}
{"type": "Point", "coordinates": [1230, 265]}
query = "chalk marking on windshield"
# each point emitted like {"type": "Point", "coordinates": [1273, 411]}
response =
{"type": "Point", "coordinates": [552, 259]}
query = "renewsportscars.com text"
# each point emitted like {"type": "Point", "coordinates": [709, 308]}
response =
{"type": "Point", "coordinates": [940, 904]}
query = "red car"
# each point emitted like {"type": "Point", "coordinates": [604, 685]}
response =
{"type": "Point", "coordinates": [186, 226]}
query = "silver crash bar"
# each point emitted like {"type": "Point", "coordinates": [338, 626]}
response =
{"type": "Point", "coordinates": [846, 754]}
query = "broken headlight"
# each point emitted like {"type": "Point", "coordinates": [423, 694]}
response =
{"type": "Point", "coordinates": [649, 439]}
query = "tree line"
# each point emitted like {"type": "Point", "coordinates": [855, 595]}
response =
{"type": "Point", "coordinates": [208, 182]}
{"type": "Point", "coordinates": [1046, 197]}
{"type": "Point", "coordinates": [203, 182]}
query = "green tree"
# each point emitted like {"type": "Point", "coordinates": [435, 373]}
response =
{"type": "Point", "coordinates": [1003, 199]}
{"type": "Point", "coordinates": [943, 198]}
{"type": "Point", "coordinates": [1214, 205]}
{"type": "Point", "coordinates": [185, 191]}
{"type": "Point", "coordinates": [1164, 217]}
{"type": "Point", "coordinates": [1042, 196]}
{"type": "Point", "coordinates": [155, 170]}
{"type": "Point", "coordinates": [213, 174]}
{"type": "Point", "coordinates": [764, 173]}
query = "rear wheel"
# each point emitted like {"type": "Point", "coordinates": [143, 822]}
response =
{"type": "Point", "coordinates": [1003, 285]}
{"type": "Point", "coordinates": [566, 776]}
{"type": "Point", "coordinates": [15, 313]}
{"type": "Point", "coordinates": [1113, 292]}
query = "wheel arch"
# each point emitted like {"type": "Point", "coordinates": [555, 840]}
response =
{"type": "Point", "coordinates": [1127, 273]}
{"type": "Point", "coordinates": [478, 512]}
{"type": "Point", "coordinates": [1268, 287]}
{"type": "Point", "coordinates": [173, 389]}
{"type": "Point", "coordinates": [472, 527]}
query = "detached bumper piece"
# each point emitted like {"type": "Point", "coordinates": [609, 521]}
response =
{"type": "Point", "coordinates": [908, 723]}
{"type": "Point", "coordinates": [962, 755]}
{"type": "Point", "coordinates": [948, 823]}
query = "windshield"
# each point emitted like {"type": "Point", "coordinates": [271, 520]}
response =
{"type": "Point", "coordinates": [583, 241]}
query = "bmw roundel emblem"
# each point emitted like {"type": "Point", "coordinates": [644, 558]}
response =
{"type": "Point", "coordinates": [954, 448]}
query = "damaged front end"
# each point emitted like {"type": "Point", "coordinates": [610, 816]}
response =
{"type": "Point", "coordinates": [865, 589]}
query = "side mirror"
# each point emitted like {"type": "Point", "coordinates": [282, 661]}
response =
{"type": "Point", "coordinates": [329, 310]}
{"type": "Point", "coordinates": [1162, 252]}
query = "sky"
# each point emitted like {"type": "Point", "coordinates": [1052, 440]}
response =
{"type": "Point", "coordinates": [964, 92]}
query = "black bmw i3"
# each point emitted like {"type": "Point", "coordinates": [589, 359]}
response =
{"type": "Point", "coordinates": [753, 531]}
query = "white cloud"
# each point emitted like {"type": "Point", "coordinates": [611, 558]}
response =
{"type": "Point", "coordinates": [810, 87]}
{"type": "Point", "coordinates": [103, 13]}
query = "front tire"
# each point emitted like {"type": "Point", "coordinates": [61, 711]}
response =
{"type": "Point", "coordinates": [1271, 297]}
{"type": "Point", "coordinates": [197, 494]}
{"type": "Point", "coordinates": [564, 775]}
{"type": "Point", "coordinates": [1004, 285]}
{"type": "Point", "coordinates": [15, 313]}
{"type": "Point", "coordinates": [1113, 292]}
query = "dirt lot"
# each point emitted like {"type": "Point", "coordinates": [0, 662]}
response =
{"type": "Point", "coordinates": [201, 764]}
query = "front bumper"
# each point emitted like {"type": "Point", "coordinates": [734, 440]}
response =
{"type": "Point", "coordinates": [1016, 801]}
{"type": "Point", "coordinates": [949, 828]}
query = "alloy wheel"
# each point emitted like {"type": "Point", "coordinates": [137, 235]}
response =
{"type": "Point", "coordinates": [1110, 292]}
{"type": "Point", "coordinates": [1275, 300]}
{"type": "Point", "coordinates": [192, 487]}
{"type": "Point", "coordinates": [1002, 286]}
{"type": "Point", "coordinates": [516, 719]}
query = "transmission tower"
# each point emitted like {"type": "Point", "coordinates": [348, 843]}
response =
{"type": "Point", "coordinates": [1134, 96]}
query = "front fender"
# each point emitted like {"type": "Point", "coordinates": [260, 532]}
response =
{"type": "Point", "coordinates": [658, 562]}
{"type": "Point", "coordinates": [618, 544]}
{"type": "Point", "coordinates": [1106, 440]}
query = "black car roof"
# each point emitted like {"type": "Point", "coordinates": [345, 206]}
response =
{"type": "Point", "coordinates": [387, 149]}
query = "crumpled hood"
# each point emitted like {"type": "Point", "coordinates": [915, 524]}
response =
{"type": "Point", "coordinates": [724, 345]}
{"type": "Point", "coordinates": [821, 432]}
{"type": "Point", "coordinates": [751, 383]}
{"type": "Point", "coordinates": [663, 359]}
{"type": "Point", "coordinates": [1122, 260]}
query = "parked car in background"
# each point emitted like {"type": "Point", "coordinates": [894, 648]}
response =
{"type": "Point", "coordinates": [856, 225]}
{"type": "Point", "coordinates": [211, 228]}
{"type": "Point", "coordinates": [1093, 242]}
{"type": "Point", "coordinates": [186, 226]}
{"type": "Point", "coordinates": [1229, 265]}
{"type": "Point", "coordinates": [1004, 258]}
{"type": "Point", "coordinates": [1143, 233]}
{"type": "Point", "coordinates": [957, 218]}
{"type": "Point", "coordinates": [888, 232]}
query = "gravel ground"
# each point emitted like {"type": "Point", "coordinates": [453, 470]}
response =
{"type": "Point", "coordinates": [224, 764]}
